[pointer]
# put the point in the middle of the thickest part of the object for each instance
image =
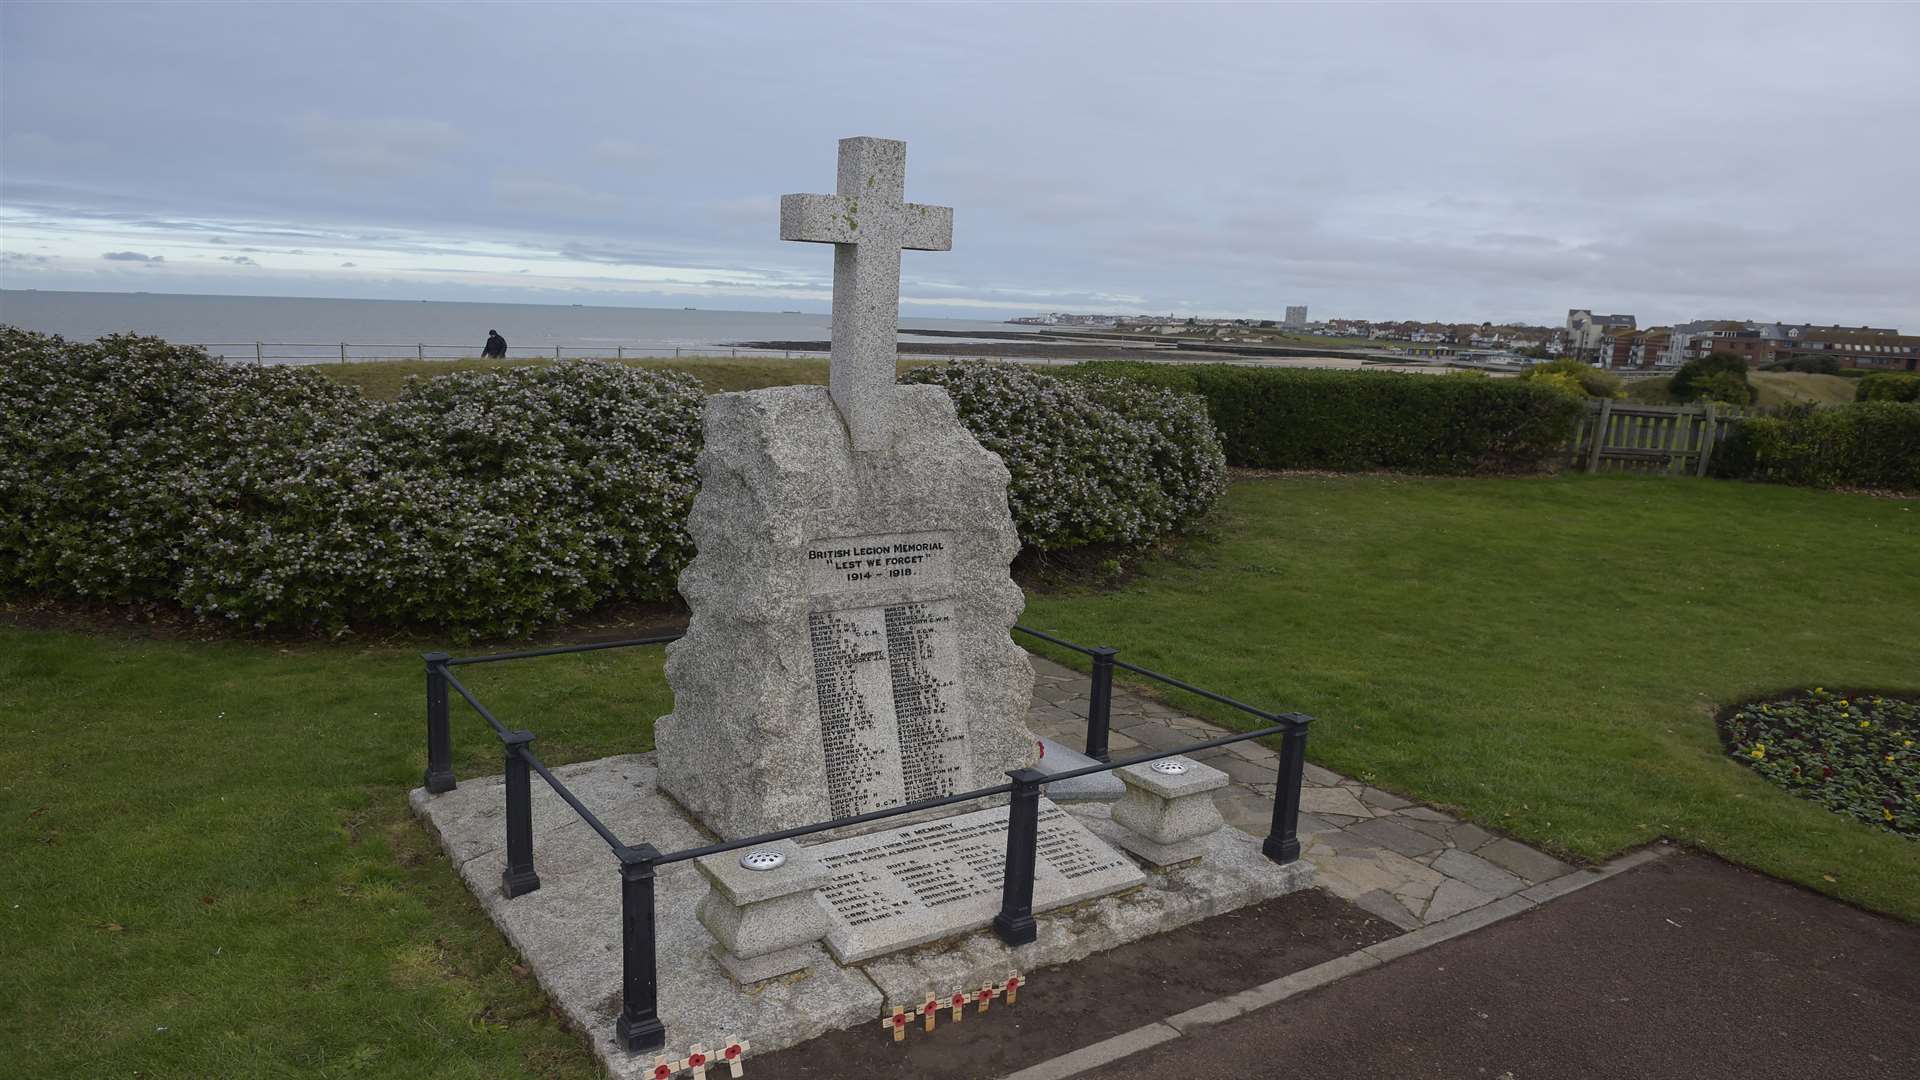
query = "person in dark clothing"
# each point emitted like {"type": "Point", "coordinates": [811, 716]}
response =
{"type": "Point", "coordinates": [496, 347]}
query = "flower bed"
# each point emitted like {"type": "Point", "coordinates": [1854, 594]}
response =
{"type": "Point", "coordinates": [1858, 754]}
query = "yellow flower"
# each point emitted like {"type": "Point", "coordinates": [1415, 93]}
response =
{"type": "Point", "coordinates": [1889, 759]}
{"type": "Point", "coordinates": [1759, 752]}
{"type": "Point", "coordinates": [1864, 724]}
{"type": "Point", "coordinates": [1909, 742]}
{"type": "Point", "coordinates": [1886, 813]}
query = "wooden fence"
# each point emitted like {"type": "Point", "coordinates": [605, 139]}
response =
{"type": "Point", "coordinates": [1619, 437]}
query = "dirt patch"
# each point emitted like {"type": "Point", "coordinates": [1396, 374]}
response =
{"type": "Point", "coordinates": [1082, 1003]}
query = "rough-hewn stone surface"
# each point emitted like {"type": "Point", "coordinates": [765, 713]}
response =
{"type": "Point", "coordinates": [744, 748]}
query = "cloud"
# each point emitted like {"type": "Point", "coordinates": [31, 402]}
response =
{"type": "Point", "coordinates": [555, 196]}
{"type": "Point", "coordinates": [389, 147]}
{"type": "Point", "coordinates": [347, 265]}
{"type": "Point", "coordinates": [239, 260]}
{"type": "Point", "coordinates": [133, 257]}
{"type": "Point", "coordinates": [621, 152]}
{"type": "Point", "coordinates": [21, 257]}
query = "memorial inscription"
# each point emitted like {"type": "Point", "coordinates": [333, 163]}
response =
{"type": "Point", "coordinates": [890, 726]}
{"type": "Point", "coordinates": [868, 563]}
{"type": "Point", "coordinates": [918, 883]}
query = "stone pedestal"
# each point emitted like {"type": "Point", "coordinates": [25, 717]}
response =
{"type": "Point", "coordinates": [1168, 810]}
{"type": "Point", "coordinates": [764, 921]}
{"type": "Point", "coordinates": [848, 648]}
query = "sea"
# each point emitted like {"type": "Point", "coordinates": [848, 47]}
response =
{"type": "Point", "coordinates": [306, 330]}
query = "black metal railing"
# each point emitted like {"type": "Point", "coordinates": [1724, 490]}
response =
{"type": "Point", "coordinates": [639, 1027]}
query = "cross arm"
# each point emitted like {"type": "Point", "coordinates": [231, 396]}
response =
{"type": "Point", "coordinates": [820, 219]}
{"type": "Point", "coordinates": [927, 228]}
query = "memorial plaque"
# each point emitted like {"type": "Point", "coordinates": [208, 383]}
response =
{"type": "Point", "coordinates": [890, 722]}
{"type": "Point", "coordinates": [903, 887]}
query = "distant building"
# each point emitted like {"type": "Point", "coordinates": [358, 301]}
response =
{"type": "Point", "coordinates": [1296, 317]}
{"type": "Point", "coordinates": [1586, 332]}
{"type": "Point", "coordinates": [1762, 345]}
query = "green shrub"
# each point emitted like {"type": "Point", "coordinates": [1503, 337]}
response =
{"type": "Point", "coordinates": [1888, 386]}
{"type": "Point", "coordinates": [1715, 373]}
{"type": "Point", "coordinates": [1874, 444]}
{"type": "Point", "coordinates": [135, 470]}
{"type": "Point", "coordinates": [1857, 755]}
{"type": "Point", "coordinates": [1094, 461]}
{"type": "Point", "coordinates": [1304, 418]}
{"type": "Point", "coordinates": [1572, 376]}
{"type": "Point", "coordinates": [132, 470]}
{"type": "Point", "coordinates": [1724, 387]}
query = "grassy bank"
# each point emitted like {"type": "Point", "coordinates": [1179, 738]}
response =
{"type": "Point", "coordinates": [384, 379]}
{"type": "Point", "coordinates": [1773, 388]}
{"type": "Point", "coordinates": [1547, 654]}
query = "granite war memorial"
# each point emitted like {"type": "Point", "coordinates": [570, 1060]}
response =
{"type": "Point", "coordinates": [848, 706]}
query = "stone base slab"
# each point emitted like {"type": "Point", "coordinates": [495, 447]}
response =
{"type": "Point", "coordinates": [1161, 855]}
{"type": "Point", "coordinates": [569, 929]}
{"type": "Point", "coordinates": [755, 969]}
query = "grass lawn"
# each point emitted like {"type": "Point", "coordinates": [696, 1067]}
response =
{"type": "Point", "coordinates": [1546, 655]}
{"type": "Point", "coordinates": [384, 379]}
{"type": "Point", "coordinates": [211, 870]}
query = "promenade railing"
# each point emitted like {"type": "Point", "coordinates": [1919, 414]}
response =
{"type": "Point", "coordinates": [639, 1027]}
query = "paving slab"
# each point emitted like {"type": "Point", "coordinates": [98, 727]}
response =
{"type": "Point", "coordinates": [1535, 866]}
{"type": "Point", "coordinates": [1343, 819]}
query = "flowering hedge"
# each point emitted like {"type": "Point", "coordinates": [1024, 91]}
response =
{"type": "Point", "coordinates": [1095, 461]}
{"type": "Point", "coordinates": [1303, 418]}
{"type": "Point", "coordinates": [1858, 754]}
{"type": "Point", "coordinates": [1869, 444]}
{"type": "Point", "coordinates": [132, 470]}
{"type": "Point", "coordinates": [135, 470]}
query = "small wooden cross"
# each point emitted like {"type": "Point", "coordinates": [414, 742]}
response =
{"type": "Point", "coordinates": [663, 1068]}
{"type": "Point", "coordinates": [985, 996]}
{"type": "Point", "coordinates": [736, 1049]}
{"type": "Point", "coordinates": [897, 1023]}
{"type": "Point", "coordinates": [929, 1010]}
{"type": "Point", "coordinates": [1012, 986]}
{"type": "Point", "coordinates": [959, 1003]}
{"type": "Point", "coordinates": [697, 1061]}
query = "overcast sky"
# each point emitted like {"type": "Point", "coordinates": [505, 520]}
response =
{"type": "Point", "coordinates": [1425, 161]}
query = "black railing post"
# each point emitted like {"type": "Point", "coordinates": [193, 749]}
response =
{"type": "Point", "coordinates": [639, 1027]}
{"type": "Point", "coordinates": [518, 878]}
{"type": "Point", "coordinates": [1014, 924]}
{"type": "Point", "coordinates": [1282, 844]}
{"type": "Point", "coordinates": [439, 738]}
{"type": "Point", "coordinates": [1100, 705]}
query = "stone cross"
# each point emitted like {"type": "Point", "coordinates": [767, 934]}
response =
{"type": "Point", "coordinates": [868, 222]}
